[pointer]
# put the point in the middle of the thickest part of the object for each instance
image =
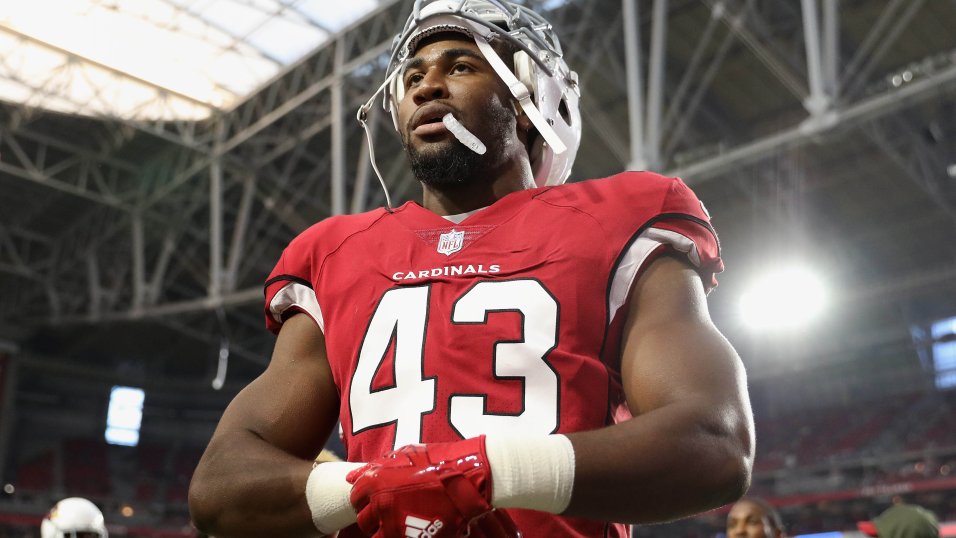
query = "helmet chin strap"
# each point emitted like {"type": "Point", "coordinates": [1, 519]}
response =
{"type": "Point", "coordinates": [520, 92]}
{"type": "Point", "coordinates": [362, 116]}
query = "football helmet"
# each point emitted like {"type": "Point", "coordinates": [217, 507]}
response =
{"type": "Point", "coordinates": [71, 516]}
{"type": "Point", "coordinates": [544, 86]}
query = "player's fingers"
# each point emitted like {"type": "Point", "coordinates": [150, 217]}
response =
{"type": "Point", "coordinates": [479, 528]}
{"type": "Point", "coordinates": [483, 527]}
{"type": "Point", "coordinates": [359, 499]}
{"type": "Point", "coordinates": [368, 520]}
{"type": "Point", "coordinates": [363, 487]}
{"type": "Point", "coordinates": [504, 524]}
{"type": "Point", "coordinates": [495, 524]}
{"type": "Point", "coordinates": [354, 474]}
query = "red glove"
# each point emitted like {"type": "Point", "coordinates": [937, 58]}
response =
{"type": "Point", "coordinates": [436, 490]}
{"type": "Point", "coordinates": [495, 524]}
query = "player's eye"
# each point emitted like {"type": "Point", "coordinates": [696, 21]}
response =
{"type": "Point", "coordinates": [413, 79]}
{"type": "Point", "coordinates": [461, 68]}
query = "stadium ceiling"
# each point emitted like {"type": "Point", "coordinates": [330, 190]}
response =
{"type": "Point", "coordinates": [824, 129]}
{"type": "Point", "coordinates": [157, 59]}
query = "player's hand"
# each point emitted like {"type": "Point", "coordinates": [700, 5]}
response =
{"type": "Point", "coordinates": [437, 490]}
{"type": "Point", "coordinates": [494, 524]}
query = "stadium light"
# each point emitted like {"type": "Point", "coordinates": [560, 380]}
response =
{"type": "Point", "coordinates": [783, 299]}
{"type": "Point", "coordinates": [124, 416]}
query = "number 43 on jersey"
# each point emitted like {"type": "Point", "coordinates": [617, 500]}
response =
{"type": "Point", "coordinates": [402, 317]}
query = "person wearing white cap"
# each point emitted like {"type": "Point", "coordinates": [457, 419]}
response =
{"type": "Point", "coordinates": [512, 350]}
{"type": "Point", "coordinates": [74, 517]}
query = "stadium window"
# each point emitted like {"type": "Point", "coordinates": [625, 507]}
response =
{"type": "Point", "coordinates": [124, 416]}
{"type": "Point", "coordinates": [943, 333]}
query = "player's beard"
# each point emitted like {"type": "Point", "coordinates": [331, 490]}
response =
{"type": "Point", "coordinates": [454, 165]}
{"type": "Point", "coordinates": [451, 166]}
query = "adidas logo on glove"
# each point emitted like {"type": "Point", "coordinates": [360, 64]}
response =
{"type": "Point", "coordinates": [416, 527]}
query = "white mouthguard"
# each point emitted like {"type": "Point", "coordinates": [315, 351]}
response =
{"type": "Point", "coordinates": [463, 134]}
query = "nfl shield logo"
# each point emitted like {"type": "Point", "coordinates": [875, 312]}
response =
{"type": "Point", "coordinates": [450, 242]}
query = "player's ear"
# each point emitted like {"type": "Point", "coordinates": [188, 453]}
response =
{"type": "Point", "coordinates": [524, 122]}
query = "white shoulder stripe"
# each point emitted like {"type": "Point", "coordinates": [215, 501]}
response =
{"type": "Point", "coordinates": [297, 295]}
{"type": "Point", "coordinates": [635, 258]}
{"type": "Point", "coordinates": [680, 242]}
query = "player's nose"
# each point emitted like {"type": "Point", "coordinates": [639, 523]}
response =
{"type": "Point", "coordinates": [432, 86]}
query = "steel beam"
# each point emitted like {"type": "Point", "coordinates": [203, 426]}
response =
{"type": "Point", "coordinates": [11, 248]}
{"type": "Point", "coordinates": [818, 101]}
{"type": "Point", "coordinates": [269, 119]}
{"type": "Point", "coordinates": [703, 46]}
{"type": "Point", "coordinates": [95, 288]}
{"type": "Point", "coordinates": [912, 161]}
{"type": "Point", "coordinates": [864, 110]}
{"type": "Point", "coordinates": [237, 246]}
{"type": "Point", "coordinates": [883, 43]}
{"type": "Point", "coordinates": [215, 228]}
{"type": "Point", "coordinates": [68, 173]}
{"type": "Point", "coordinates": [865, 50]}
{"type": "Point", "coordinates": [236, 39]}
{"type": "Point", "coordinates": [338, 131]}
{"type": "Point", "coordinates": [635, 99]}
{"type": "Point", "coordinates": [655, 83]}
{"type": "Point", "coordinates": [162, 264]}
{"type": "Point", "coordinates": [831, 48]}
{"type": "Point", "coordinates": [139, 262]}
{"type": "Point", "coordinates": [236, 298]}
{"type": "Point", "coordinates": [676, 134]}
{"type": "Point", "coordinates": [736, 24]}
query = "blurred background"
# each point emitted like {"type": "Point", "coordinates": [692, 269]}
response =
{"type": "Point", "coordinates": [157, 155]}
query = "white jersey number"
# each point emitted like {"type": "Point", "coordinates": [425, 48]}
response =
{"type": "Point", "coordinates": [401, 318]}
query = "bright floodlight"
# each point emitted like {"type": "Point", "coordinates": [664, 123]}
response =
{"type": "Point", "coordinates": [124, 416]}
{"type": "Point", "coordinates": [786, 298]}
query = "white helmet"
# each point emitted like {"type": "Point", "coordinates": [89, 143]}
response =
{"type": "Point", "coordinates": [71, 516]}
{"type": "Point", "coordinates": [546, 89]}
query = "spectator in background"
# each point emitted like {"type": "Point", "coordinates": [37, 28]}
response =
{"type": "Point", "coordinates": [74, 517]}
{"type": "Point", "coordinates": [902, 521]}
{"type": "Point", "coordinates": [752, 517]}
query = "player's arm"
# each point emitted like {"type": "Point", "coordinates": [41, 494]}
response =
{"type": "Point", "coordinates": [690, 444]}
{"type": "Point", "coordinates": [251, 481]}
{"type": "Point", "coordinates": [688, 448]}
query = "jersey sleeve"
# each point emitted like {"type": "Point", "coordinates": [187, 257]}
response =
{"type": "Point", "coordinates": [666, 217]}
{"type": "Point", "coordinates": [290, 289]}
{"type": "Point", "coordinates": [296, 283]}
{"type": "Point", "coordinates": [683, 225]}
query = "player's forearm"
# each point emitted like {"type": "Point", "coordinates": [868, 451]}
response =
{"type": "Point", "coordinates": [677, 460]}
{"type": "Point", "coordinates": [245, 487]}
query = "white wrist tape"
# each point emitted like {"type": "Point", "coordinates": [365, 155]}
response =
{"type": "Point", "coordinates": [327, 493]}
{"type": "Point", "coordinates": [536, 473]}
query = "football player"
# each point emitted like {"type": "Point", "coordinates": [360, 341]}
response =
{"type": "Point", "coordinates": [751, 517]}
{"type": "Point", "coordinates": [74, 517]}
{"type": "Point", "coordinates": [510, 348]}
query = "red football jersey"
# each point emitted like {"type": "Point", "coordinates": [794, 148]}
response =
{"type": "Point", "coordinates": [509, 321]}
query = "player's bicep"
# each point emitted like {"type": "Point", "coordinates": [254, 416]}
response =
{"type": "Point", "coordinates": [293, 405]}
{"type": "Point", "coordinates": [673, 353]}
